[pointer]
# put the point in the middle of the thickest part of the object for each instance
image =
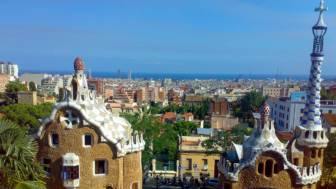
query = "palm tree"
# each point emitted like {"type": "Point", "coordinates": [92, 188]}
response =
{"type": "Point", "coordinates": [18, 166]}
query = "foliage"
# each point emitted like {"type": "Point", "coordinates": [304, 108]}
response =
{"type": "Point", "coordinates": [325, 95]}
{"type": "Point", "coordinates": [150, 127]}
{"type": "Point", "coordinates": [223, 139]}
{"type": "Point", "coordinates": [12, 88]}
{"type": "Point", "coordinates": [18, 167]}
{"type": "Point", "coordinates": [184, 128]}
{"type": "Point", "coordinates": [247, 105]}
{"type": "Point", "coordinates": [329, 166]}
{"type": "Point", "coordinates": [26, 115]}
{"type": "Point", "coordinates": [199, 111]}
{"type": "Point", "coordinates": [32, 86]}
{"type": "Point", "coordinates": [160, 138]}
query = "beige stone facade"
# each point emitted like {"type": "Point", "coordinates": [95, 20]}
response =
{"type": "Point", "coordinates": [122, 171]}
{"type": "Point", "coordinates": [263, 161]}
{"type": "Point", "coordinates": [194, 159]}
{"type": "Point", "coordinates": [27, 97]}
{"type": "Point", "coordinates": [223, 122]}
{"type": "Point", "coordinates": [4, 79]}
{"type": "Point", "coordinates": [82, 145]}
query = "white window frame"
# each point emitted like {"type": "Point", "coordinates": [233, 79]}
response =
{"type": "Point", "coordinates": [105, 167]}
{"type": "Point", "coordinates": [51, 144]}
{"type": "Point", "coordinates": [83, 140]}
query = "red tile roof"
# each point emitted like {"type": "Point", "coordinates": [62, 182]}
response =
{"type": "Point", "coordinates": [330, 119]}
{"type": "Point", "coordinates": [284, 136]}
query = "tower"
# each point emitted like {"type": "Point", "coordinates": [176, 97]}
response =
{"type": "Point", "coordinates": [312, 136]}
{"type": "Point", "coordinates": [79, 82]}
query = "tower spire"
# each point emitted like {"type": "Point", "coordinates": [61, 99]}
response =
{"type": "Point", "coordinates": [311, 118]}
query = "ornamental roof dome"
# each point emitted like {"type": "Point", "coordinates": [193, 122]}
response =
{"type": "Point", "coordinates": [78, 64]}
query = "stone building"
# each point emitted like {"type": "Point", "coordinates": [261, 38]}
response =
{"type": "Point", "coordinates": [279, 91]}
{"type": "Point", "coordinates": [219, 106]}
{"type": "Point", "coordinates": [82, 145]}
{"type": "Point", "coordinates": [4, 80]}
{"type": "Point", "coordinates": [263, 161]}
{"type": "Point", "coordinates": [194, 159]}
{"type": "Point", "coordinates": [221, 118]}
{"type": "Point", "coordinates": [97, 85]}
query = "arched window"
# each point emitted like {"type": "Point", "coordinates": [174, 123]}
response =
{"type": "Point", "coordinates": [319, 153]}
{"type": "Point", "coordinates": [269, 168]}
{"type": "Point", "coordinates": [313, 153]}
{"type": "Point", "coordinates": [134, 139]}
{"type": "Point", "coordinates": [261, 168]}
{"type": "Point", "coordinates": [296, 161]}
{"type": "Point", "coordinates": [315, 134]}
{"type": "Point", "coordinates": [276, 168]}
{"type": "Point", "coordinates": [322, 134]}
{"type": "Point", "coordinates": [307, 134]}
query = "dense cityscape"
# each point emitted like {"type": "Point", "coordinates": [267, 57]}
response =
{"type": "Point", "coordinates": [85, 130]}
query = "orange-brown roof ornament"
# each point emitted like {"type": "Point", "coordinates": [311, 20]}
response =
{"type": "Point", "coordinates": [78, 64]}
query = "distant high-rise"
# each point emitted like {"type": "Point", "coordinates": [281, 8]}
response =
{"type": "Point", "coordinates": [129, 74]}
{"type": "Point", "coordinates": [10, 69]}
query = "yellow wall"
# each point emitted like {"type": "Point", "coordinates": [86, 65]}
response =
{"type": "Point", "coordinates": [197, 158]}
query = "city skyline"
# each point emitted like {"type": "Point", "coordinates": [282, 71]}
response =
{"type": "Point", "coordinates": [232, 37]}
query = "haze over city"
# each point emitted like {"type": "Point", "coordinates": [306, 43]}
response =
{"type": "Point", "coordinates": [192, 36]}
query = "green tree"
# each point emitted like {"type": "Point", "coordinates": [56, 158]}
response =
{"type": "Point", "coordinates": [18, 166]}
{"type": "Point", "coordinates": [26, 115]}
{"type": "Point", "coordinates": [160, 138]}
{"type": "Point", "coordinates": [325, 95]}
{"type": "Point", "coordinates": [184, 128]}
{"type": "Point", "coordinates": [225, 138]}
{"type": "Point", "coordinates": [12, 88]}
{"type": "Point", "coordinates": [213, 144]}
{"type": "Point", "coordinates": [32, 86]}
{"type": "Point", "coordinates": [147, 124]}
{"type": "Point", "coordinates": [199, 111]}
{"type": "Point", "coordinates": [247, 105]}
{"type": "Point", "coordinates": [328, 179]}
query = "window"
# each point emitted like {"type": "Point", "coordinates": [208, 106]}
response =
{"type": "Point", "coordinates": [315, 134]}
{"type": "Point", "coordinates": [319, 153]}
{"type": "Point", "coordinates": [306, 134]}
{"type": "Point", "coordinates": [189, 164]}
{"type": "Point", "coordinates": [134, 139]}
{"type": "Point", "coordinates": [46, 165]}
{"type": "Point", "coordinates": [88, 140]}
{"type": "Point", "coordinates": [70, 172]}
{"type": "Point", "coordinates": [296, 161]}
{"type": "Point", "coordinates": [227, 186]}
{"type": "Point", "coordinates": [269, 167]}
{"type": "Point", "coordinates": [54, 139]}
{"type": "Point", "coordinates": [276, 168]}
{"type": "Point", "coordinates": [100, 167]}
{"type": "Point", "coordinates": [313, 153]}
{"type": "Point", "coordinates": [205, 164]}
{"type": "Point", "coordinates": [135, 185]}
{"type": "Point", "coordinates": [261, 168]}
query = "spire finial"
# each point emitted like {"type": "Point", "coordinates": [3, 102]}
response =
{"type": "Point", "coordinates": [264, 112]}
{"type": "Point", "coordinates": [322, 7]}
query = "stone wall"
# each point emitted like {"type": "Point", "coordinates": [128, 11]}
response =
{"type": "Point", "coordinates": [121, 171]}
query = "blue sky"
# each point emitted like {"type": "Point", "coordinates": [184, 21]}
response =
{"type": "Point", "coordinates": [175, 36]}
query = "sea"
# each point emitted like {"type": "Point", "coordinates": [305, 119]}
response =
{"type": "Point", "coordinates": [186, 76]}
